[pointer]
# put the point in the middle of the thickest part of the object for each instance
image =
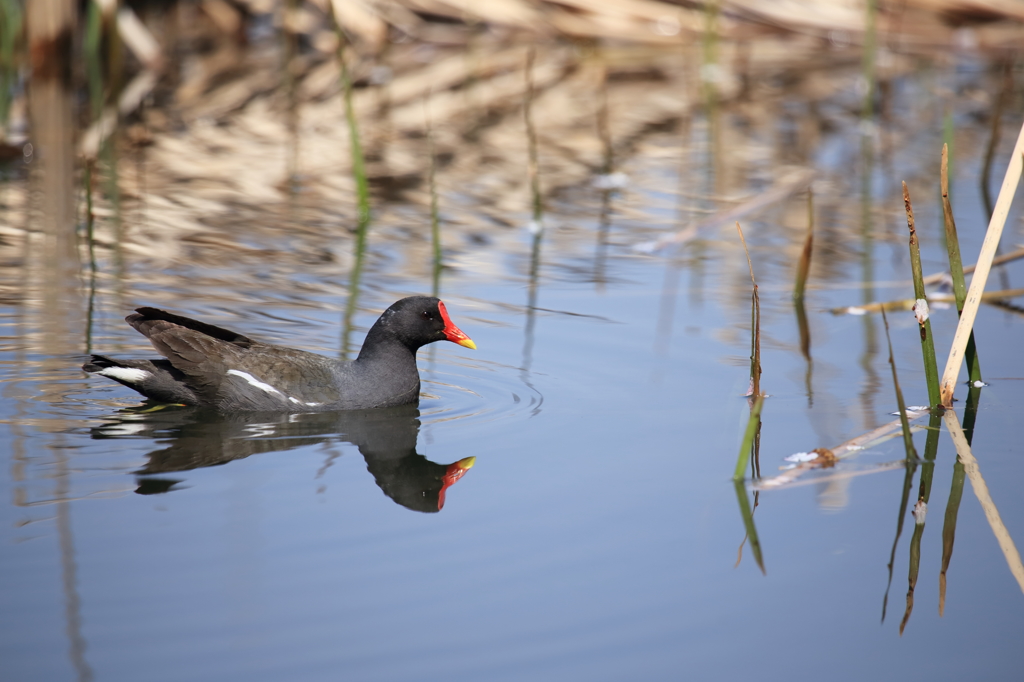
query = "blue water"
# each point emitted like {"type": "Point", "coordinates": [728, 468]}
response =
{"type": "Point", "coordinates": [597, 534]}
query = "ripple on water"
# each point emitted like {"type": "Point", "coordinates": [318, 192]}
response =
{"type": "Point", "coordinates": [479, 392]}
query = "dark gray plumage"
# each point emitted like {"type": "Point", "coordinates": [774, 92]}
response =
{"type": "Point", "coordinates": [209, 366]}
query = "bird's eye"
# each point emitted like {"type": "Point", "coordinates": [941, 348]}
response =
{"type": "Point", "coordinates": [426, 315]}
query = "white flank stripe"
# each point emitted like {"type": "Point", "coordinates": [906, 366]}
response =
{"type": "Point", "coordinates": [254, 381]}
{"type": "Point", "coordinates": [132, 376]}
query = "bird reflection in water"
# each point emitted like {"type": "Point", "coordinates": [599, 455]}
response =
{"type": "Point", "coordinates": [200, 438]}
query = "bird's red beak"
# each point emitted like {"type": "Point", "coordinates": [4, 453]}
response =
{"type": "Point", "coordinates": [453, 473]}
{"type": "Point", "coordinates": [453, 333]}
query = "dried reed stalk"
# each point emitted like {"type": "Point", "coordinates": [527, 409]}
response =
{"type": "Point", "coordinates": [988, 252]}
{"type": "Point", "coordinates": [937, 277]}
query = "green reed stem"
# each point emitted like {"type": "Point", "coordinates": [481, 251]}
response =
{"type": "Point", "coordinates": [358, 159]}
{"type": "Point", "coordinates": [353, 288]}
{"type": "Point", "coordinates": [709, 55]}
{"type": "Point", "coordinates": [747, 446]}
{"type": "Point", "coordinates": [90, 223]}
{"type": "Point", "coordinates": [956, 493]}
{"type": "Point", "coordinates": [913, 572]}
{"type": "Point", "coordinates": [748, 522]}
{"type": "Point", "coordinates": [755, 324]}
{"type": "Point", "coordinates": [533, 168]}
{"type": "Point", "coordinates": [93, 59]}
{"type": "Point", "coordinates": [804, 265]}
{"type": "Point", "coordinates": [802, 270]}
{"type": "Point", "coordinates": [956, 269]}
{"type": "Point", "coordinates": [868, 59]}
{"type": "Point", "coordinates": [805, 348]}
{"type": "Point", "coordinates": [908, 440]}
{"type": "Point", "coordinates": [931, 370]}
{"type": "Point", "coordinates": [11, 24]}
{"type": "Point", "coordinates": [362, 189]}
{"type": "Point", "coordinates": [996, 116]}
{"type": "Point", "coordinates": [908, 483]}
{"type": "Point", "coordinates": [435, 222]}
{"type": "Point", "coordinates": [537, 217]}
{"type": "Point", "coordinates": [931, 447]}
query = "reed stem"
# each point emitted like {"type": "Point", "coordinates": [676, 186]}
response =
{"type": "Point", "coordinates": [748, 522]}
{"type": "Point", "coordinates": [747, 446]}
{"type": "Point", "coordinates": [956, 269]}
{"type": "Point", "coordinates": [435, 221]}
{"type": "Point", "coordinates": [804, 266]}
{"type": "Point", "coordinates": [931, 371]}
{"type": "Point", "coordinates": [908, 439]}
{"type": "Point", "coordinates": [755, 325]}
{"type": "Point", "coordinates": [358, 159]}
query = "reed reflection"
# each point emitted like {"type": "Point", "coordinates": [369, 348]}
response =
{"type": "Point", "coordinates": [200, 438]}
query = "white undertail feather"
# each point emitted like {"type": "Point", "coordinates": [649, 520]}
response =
{"type": "Point", "coordinates": [127, 374]}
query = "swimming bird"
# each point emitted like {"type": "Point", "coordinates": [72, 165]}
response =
{"type": "Point", "coordinates": [208, 366]}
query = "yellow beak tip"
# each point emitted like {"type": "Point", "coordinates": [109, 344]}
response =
{"type": "Point", "coordinates": [468, 343]}
{"type": "Point", "coordinates": [467, 462]}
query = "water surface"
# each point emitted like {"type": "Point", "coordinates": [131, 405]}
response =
{"type": "Point", "coordinates": [597, 535]}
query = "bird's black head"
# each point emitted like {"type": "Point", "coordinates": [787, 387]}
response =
{"type": "Point", "coordinates": [419, 320]}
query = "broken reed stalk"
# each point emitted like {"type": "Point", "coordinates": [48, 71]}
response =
{"type": "Point", "coordinates": [988, 251]}
{"type": "Point", "coordinates": [358, 160]}
{"type": "Point", "coordinates": [956, 269]}
{"type": "Point", "coordinates": [755, 325]}
{"type": "Point", "coordinates": [748, 439]}
{"type": "Point", "coordinates": [998, 260]}
{"type": "Point", "coordinates": [908, 439]}
{"type": "Point", "coordinates": [908, 304]}
{"type": "Point", "coordinates": [804, 266]}
{"type": "Point", "coordinates": [931, 372]}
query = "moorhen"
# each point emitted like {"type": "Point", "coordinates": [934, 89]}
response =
{"type": "Point", "coordinates": [207, 366]}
